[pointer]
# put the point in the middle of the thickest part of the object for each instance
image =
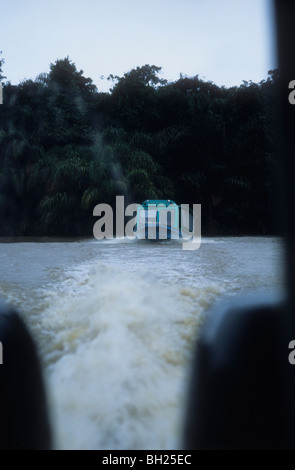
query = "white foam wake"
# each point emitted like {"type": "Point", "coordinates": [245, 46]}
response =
{"type": "Point", "coordinates": [117, 346]}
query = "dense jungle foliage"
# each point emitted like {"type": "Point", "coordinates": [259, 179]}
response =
{"type": "Point", "coordinates": [65, 147]}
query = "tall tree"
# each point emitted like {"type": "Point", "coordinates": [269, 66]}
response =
{"type": "Point", "coordinates": [65, 75]}
{"type": "Point", "coordinates": [134, 97]}
{"type": "Point", "coordinates": [68, 105]}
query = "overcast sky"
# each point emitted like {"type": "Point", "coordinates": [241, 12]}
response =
{"type": "Point", "coordinates": [225, 41]}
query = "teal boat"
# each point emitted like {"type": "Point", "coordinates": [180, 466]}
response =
{"type": "Point", "coordinates": [158, 219]}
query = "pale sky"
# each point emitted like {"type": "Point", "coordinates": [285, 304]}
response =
{"type": "Point", "coordinates": [224, 41]}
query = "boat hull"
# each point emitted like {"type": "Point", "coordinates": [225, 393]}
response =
{"type": "Point", "coordinates": [157, 232]}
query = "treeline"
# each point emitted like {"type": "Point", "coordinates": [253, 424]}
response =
{"type": "Point", "coordinates": [65, 147]}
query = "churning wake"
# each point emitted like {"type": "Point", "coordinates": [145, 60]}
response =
{"type": "Point", "coordinates": [116, 322]}
{"type": "Point", "coordinates": [117, 347]}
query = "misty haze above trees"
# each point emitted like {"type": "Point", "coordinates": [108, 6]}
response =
{"type": "Point", "coordinates": [65, 147]}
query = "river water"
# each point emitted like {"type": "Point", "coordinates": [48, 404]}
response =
{"type": "Point", "coordinates": [116, 322]}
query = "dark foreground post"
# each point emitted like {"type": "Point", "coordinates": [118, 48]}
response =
{"type": "Point", "coordinates": [24, 420]}
{"type": "Point", "coordinates": [242, 392]}
{"type": "Point", "coordinates": [240, 396]}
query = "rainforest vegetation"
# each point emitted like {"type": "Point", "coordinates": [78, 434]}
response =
{"type": "Point", "coordinates": [65, 147]}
